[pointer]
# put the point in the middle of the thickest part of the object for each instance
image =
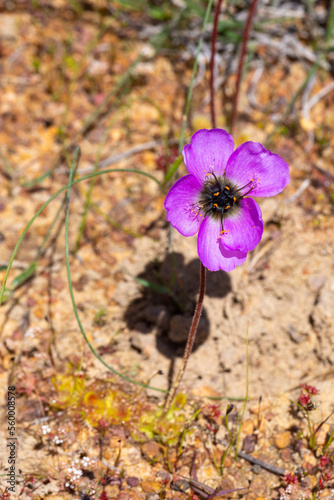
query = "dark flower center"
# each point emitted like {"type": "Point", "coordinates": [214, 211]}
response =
{"type": "Point", "coordinates": [218, 197]}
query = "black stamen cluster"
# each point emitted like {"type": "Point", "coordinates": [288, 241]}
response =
{"type": "Point", "coordinates": [218, 197]}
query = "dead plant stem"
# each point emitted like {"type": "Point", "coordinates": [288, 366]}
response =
{"type": "Point", "coordinates": [261, 463]}
{"type": "Point", "coordinates": [241, 64]}
{"type": "Point", "coordinates": [191, 339]}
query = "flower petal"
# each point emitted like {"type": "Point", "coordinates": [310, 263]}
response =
{"type": "Point", "coordinates": [180, 204]}
{"type": "Point", "coordinates": [254, 166]}
{"type": "Point", "coordinates": [208, 152]}
{"type": "Point", "coordinates": [244, 227]}
{"type": "Point", "coordinates": [211, 251]}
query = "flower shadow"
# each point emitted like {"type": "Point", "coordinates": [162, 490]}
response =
{"type": "Point", "coordinates": [167, 303]}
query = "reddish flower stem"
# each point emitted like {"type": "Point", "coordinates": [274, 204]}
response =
{"type": "Point", "coordinates": [212, 64]}
{"type": "Point", "coordinates": [241, 64]}
{"type": "Point", "coordinates": [191, 338]}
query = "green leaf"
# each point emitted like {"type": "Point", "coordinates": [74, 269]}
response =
{"type": "Point", "coordinates": [24, 276]}
{"type": "Point", "coordinates": [172, 169]}
{"type": "Point", "coordinates": [153, 286]}
{"type": "Point", "coordinates": [159, 13]}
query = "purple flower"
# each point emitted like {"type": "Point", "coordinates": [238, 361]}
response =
{"type": "Point", "coordinates": [212, 198]}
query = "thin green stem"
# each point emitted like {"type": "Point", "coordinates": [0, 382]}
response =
{"type": "Point", "coordinates": [330, 23]}
{"type": "Point", "coordinates": [330, 440]}
{"type": "Point", "coordinates": [246, 396]}
{"type": "Point", "coordinates": [224, 457]}
{"type": "Point", "coordinates": [85, 213]}
{"type": "Point", "coordinates": [312, 439]}
{"type": "Point", "coordinates": [49, 231]}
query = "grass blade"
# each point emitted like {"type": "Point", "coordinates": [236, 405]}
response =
{"type": "Point", "coordinates": [153, 286]}
{"type": "Point", "coordinates": [246, 396]}
{"type": "Point", "coordinates": [173, 168]}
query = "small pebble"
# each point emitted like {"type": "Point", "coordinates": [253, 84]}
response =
{"type": "Point", "coordinates": [132, 481]}
{"type": "Point", "coordinates": [150, 486]}
{"type": "Point", "coordinates": [283, 439]}
{"type": "Point", "coordinates": [256, 469]}
{"type": "Point", "coordinates": [286, 455]}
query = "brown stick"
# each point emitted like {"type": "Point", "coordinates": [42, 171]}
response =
{"type": "Point", "coordinates": [241, 64]}
{"type": "Point", "coordinates": [212, 64]}
{"type": "Point", "coordinates": [191, 339]}
{"type": "Point", "coordinates": [260, 463]}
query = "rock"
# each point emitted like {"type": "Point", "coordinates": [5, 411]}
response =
{"type": "Point", "coordinates": [323, 434]}
{"type": "Point", "coordinates": [112, 491]}
{"type": "Point", "coordinates": [286, 455]}
{"type": "Point", "coordinates": [249, 443]}
{"type": "Point", "coordinates": [150, 486]}
{"type": "Point", "coordinates": [133, 455]}
{"type": "Point", "coordinates": [132, 481]}
{"type": "Point", "coordinates": [158, 316]}
{"type": "Point", "coordinates": [247, 426]}
{"type": "Point", "coordinates": [164, 476]}
{"type": "Point", "coordinates": [142, 326]}
{"type": "Point", "coordinates": [283, 439]}
{"type": "Point", "coordinates": [310, 461]}
{"type": "Point", "coordinates": [179, 329]}
{"type": "Point", "coordinates": [256, 469]}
